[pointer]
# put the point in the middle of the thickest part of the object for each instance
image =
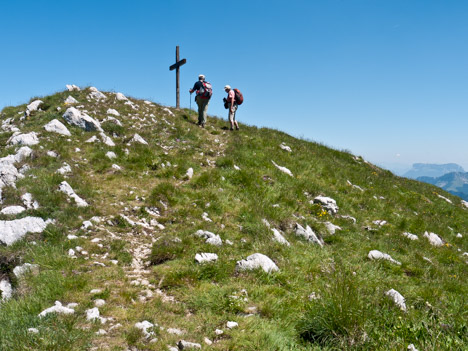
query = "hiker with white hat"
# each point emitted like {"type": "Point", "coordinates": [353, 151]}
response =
{"type": "Point", "coordinates": [231, 105]}
{"type": "Point", "coordinates": [203, 91]}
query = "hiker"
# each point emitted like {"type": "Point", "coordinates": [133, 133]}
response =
{"type": "Point", "coordinates": [202, 98]}
{"type": "Point", "coordinates": [231, 105]}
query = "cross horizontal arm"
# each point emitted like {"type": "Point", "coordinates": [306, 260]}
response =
{"type": "Point", "coordinates": [178, 64]}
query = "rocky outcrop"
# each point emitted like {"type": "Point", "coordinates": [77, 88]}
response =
{"type": "Point", "coordinates": [256, 261]}
{"type": "Point", "coordinates": [80, 119]}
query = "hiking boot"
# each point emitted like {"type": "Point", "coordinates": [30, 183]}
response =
{"type": "Point", "coordinates": [231, 128]}
{"type": "Point", "coordinates": [203, 125]}
{"type": "Point", "coordinates": [237, 128]}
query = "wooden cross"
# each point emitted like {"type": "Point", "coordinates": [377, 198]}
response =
{"type": "Point", "coordinates": [176, 66]}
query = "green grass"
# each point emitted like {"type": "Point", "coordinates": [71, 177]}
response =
{"type": "Point", "coordinates": [351, 313]}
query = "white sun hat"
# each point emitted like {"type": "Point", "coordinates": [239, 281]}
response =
{"type": "Point", "coordinates": [227, 87]}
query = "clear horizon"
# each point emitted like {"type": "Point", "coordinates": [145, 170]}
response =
{"type": "Point", "coordinates": [385, 80]}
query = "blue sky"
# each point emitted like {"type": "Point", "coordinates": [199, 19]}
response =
{"type": "Point", "coordinates": [387, 80]}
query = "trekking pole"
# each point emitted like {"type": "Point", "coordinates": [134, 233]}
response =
{"type": "Point", "coordinates": [190, 102]}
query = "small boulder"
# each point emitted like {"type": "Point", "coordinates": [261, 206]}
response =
{"type": "Point", "coordinates": [434, 239]}
{"type": "Point", "coordinates": [55, 126]}
{"type": "Point", "coordinates": [12, 210]}
{"type": "Point", "coordinates": [377, 255]}
{"type": "Point", "coordinates": [186, 345]}
{"type": "Point", "coordinates": [57, 308]}
{"type": "Point", "coordinates": [397, 298]}
{"type": "Point", "coordinates": [283, 169]}
{"type": "Point", "coordinates": [410, 236]}
{"type": "Point", "coordinates": [206, 257]}
{"type": "Point", "coordinates": [12, 231]}
{"type": "Point", "coordinates": [211, 238]}
{"type": "Point", "coordinates": [114, 112]}
{"type": "Point", "coordinates": [256, 261]}
{"type": "Point", "coordinates": [308, 234]}
{"type": "Point", "coordinates": [279, 238]}
{"type": "Point", "coordinates": [28, 139]}
{"type": "Point", "coordinates": [327, 203]}
{"type": "Point", "coordinates": [6, 291]}
{"type": "Point", "coordinates": [67, 189]}
{"type": "Point", "coordinates": [70, 100]}
{"type": "Point", "coordinates": [80, 119]}
{"type": "Point", "coordinates": [138, 139]}
{"type": "Point", "coordinates": [72, 87]}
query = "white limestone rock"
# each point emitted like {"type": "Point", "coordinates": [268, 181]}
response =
{"type": "Point", "coordinates": [175, 331]}
{"type": "Point", "coordinates": [92, 314]}
{"type": "Point", "coordinates": [279, 238]}
{"type": "Point", "coordinates": [99, 302]}
{"type": "Point", "coordinates": [121, 97]}
{"type": "Point", "coordinates": [206, 257]}
{"type": "Point", "coordinates": [12, 231]}
{"type": "Point", "coordinates": [9, 175]}
{"type": "Point", "coordinates": [377, 255]}
{"type": "Point", "coordinates": [464, 203]}
{"type": "Point", "coordinates": [52, 154]}
{"type": "Point", "coordinates": [410, 236]}
{"type": "Point", "coordinates": [459, 236]}
{"type": "Point", "coordinates": [283, 169]}
{"type": "Point", "coordinates": [327, 203]}
{"type": "Point", "coordinates": [411, 348]}
{"type": "Point", "coordinates": [111, 155]}
{"type": "Point", "coordinates": [138, 139]}
{"type": "Point", "coordinates": [12, 210]}
{"type": "Point", "coordinates": [186, 345]}
{"type": "Point", "coordinates": [93, 139]}
{"type": "Point", "coordinates": [232, 325]}
{"type": "Point", "coordinates": [18, 271]}
{"type": "Point", "coordinates": [285, 147]}
{"type": "Point", "coordinates": [72, 87]}
{"type": "Point", "coordinates": [256, 261]}
{"type": "Point", "coordinates": [113, 120]}
{"type": "Point", "coordinates": [29, 202]}
{"type": "Point", "coordinates": [57, 308]}
{"type": "Point", "coordinates": [106, 140]}
{"type": "Point", "coordinates": [65, 169]}
{"type": "Point", "coordinates": [189, 173]}
{"type": "Point", "coordinates": [165, 109]}
{"type": "Point", "coordinates": [28, 139]}
{"type": "Point", "coordinates": [86, 225]}
{"type": "Point", "coordinates": [114, 112]}
{"type": "Point", "coordinates": [211, 238]}
{"type": "Point", "coordinates": [6, 291]}
{"type": "Point", "coordinates": [70, 100]}
{"type": "Point", "coordinates": [144, 326]}
{"type": "Point", "coordinates": [67, 189]}
{"type": "Point", "coordinates": [55, 126]}
{"type": "Point", "coordinates": [308, 234]}
{"type": "Point", "coordinates": [80, 119]}
{"type": "Point", "coordinates": [96, 94]}
{"type": "Point", "coordinates": [116, 167]}
{"type": "Point", "coordinates": [379, 222]}
{"type": "Point", "coordinates": [33, 330]}
{"type": "Point", "coordinates": [331, 227]}
{"type": "Point", "coordinates": [397, 298]}
{"type": "Point", "coordinates": [445, 199]}
{"type": "Point", "coordinates": [33, 106]}
{"type": "Point", "coordinates": [434, 239]}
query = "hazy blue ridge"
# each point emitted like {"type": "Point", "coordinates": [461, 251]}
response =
{"type": "Point", "coordinates": [455, 183]}
{"type": "Point", "coordinates": [432, 170]}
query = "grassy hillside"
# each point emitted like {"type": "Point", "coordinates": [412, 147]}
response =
{"type": "Point", "coordinates": [322, 298]}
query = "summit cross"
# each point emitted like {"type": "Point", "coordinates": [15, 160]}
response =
{"type": "Point", "coordinates": [176, 67]}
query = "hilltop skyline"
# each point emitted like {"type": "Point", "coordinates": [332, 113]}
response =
{"type": "Point", "coordinates": [382, 80]}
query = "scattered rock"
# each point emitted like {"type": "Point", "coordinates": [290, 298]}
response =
{"type": "Point", "coordinates": [33, 106]}
{"type": "Point", "coordinates": [232, 325]}
{"type": "Point", "coordinates": [189, 173]}
{"type": "Point", "coordinates": [55, 126]}
{"type": "Point", "coordinates": [144, 326]}
{"type": "Point", "coordinates": [255, 261]}
{"type": "Point", "coordinates": [138, 139]}
{"type": "Point", "coordinates": [67, 189]}
{"type": "Point", "coordinates": [106, 140]}
{"type": "Point", "coordinates": [211, 238]}
{"type": "Point", "coordinates": [459, 236]}
{"type": "Point", "coordinates": [92, 314]}
{"type": "Point", "coordinates": [70, 100]}
{"type": "Point", "coordinates": [464, 203]}
{"type": "Point", "coordinates": [397, 298]}
{"type": "Point", "coordinates": [121, 97]}
{"type": "Point", "coordinates": [379, 222]}
{"type": "Point", "coordinates": [331, 227]}
{"type": "Point", "coordinates": [444, 198]}
{"type": "Point", "coordinates": [165, 109]}
{"type": "Point", "coordinates": [18, 271]}
{"type": "Point", "coordinates": [185, 345]}
{"type": "Point", "coordinates": [377, 255]}
{"type": "Point", "coordinates": [96, 94]}
{"type": "Point", "coordinates": [434, 239]}
{"type": "Point", "coordinates": [175, 331]}
{"type": "Point", "coordinates": [65, 169]}
{"type": "Point", "coordinates": [279, 238]}
{"type": "Point", "coordinates": [24, 139]}
{"type": "Point", "coordinates": [80, 119]}
{"type": "Point", "coordinates": [12, 210]}
{"type": "Point", "coordinates": [6, 291]}
{"type": "Point", "coordinates": [29, 202]}
{"type": "Point", "coordinates": [283, 169]}
{"type": "Point", "coordinates": [116, 167]}
{"type": "Point", "coordinates": [206, 257]}
{"type": "Point", "coordinates": [410, 236]}
{"type": "Point", "coordinates": [111, 155]}
{"type": "Point", "coordinates": [327, 203]}
{"type": "Point", "coordinates": [285, 147]}
{"type": "Point", "coordinates": [12, 231]}
{"type": "Point", "coordinates": [111, 111]}
{"type": "Point", "coordinates": [33, 331]}
{"type": "Point", "coordinates": [308, 234]}
{"type": "Point", "coordinates": [93, 139]}
{"type": "Point", "coordinates": [72, 87]}
{"type": "Point", "coordinates": [52, 154]}
{"type": "Point", "coordinates": [57, 308]}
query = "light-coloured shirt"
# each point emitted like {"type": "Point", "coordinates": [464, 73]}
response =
{"type": "Point", "coordinates": [231, 95]}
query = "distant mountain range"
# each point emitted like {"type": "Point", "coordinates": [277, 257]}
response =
{"type": "Point", "coordinates": [432, 170]}
{"type": "Point", "coordinates": [455, 183]}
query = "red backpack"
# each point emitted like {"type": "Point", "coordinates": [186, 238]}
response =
{"type": "Point", "coordinates": [206, 91]}
{"type": "Point", "coordinates": [239, 97]}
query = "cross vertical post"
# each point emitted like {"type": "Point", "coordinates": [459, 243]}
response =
{"type": "Point", "coordinates": [176, 66]}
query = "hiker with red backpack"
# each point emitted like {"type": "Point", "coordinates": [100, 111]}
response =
{"type": "Point", "coordinates": [203, 91]}
{"type": "Point", "coordinates": [233, 100]}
